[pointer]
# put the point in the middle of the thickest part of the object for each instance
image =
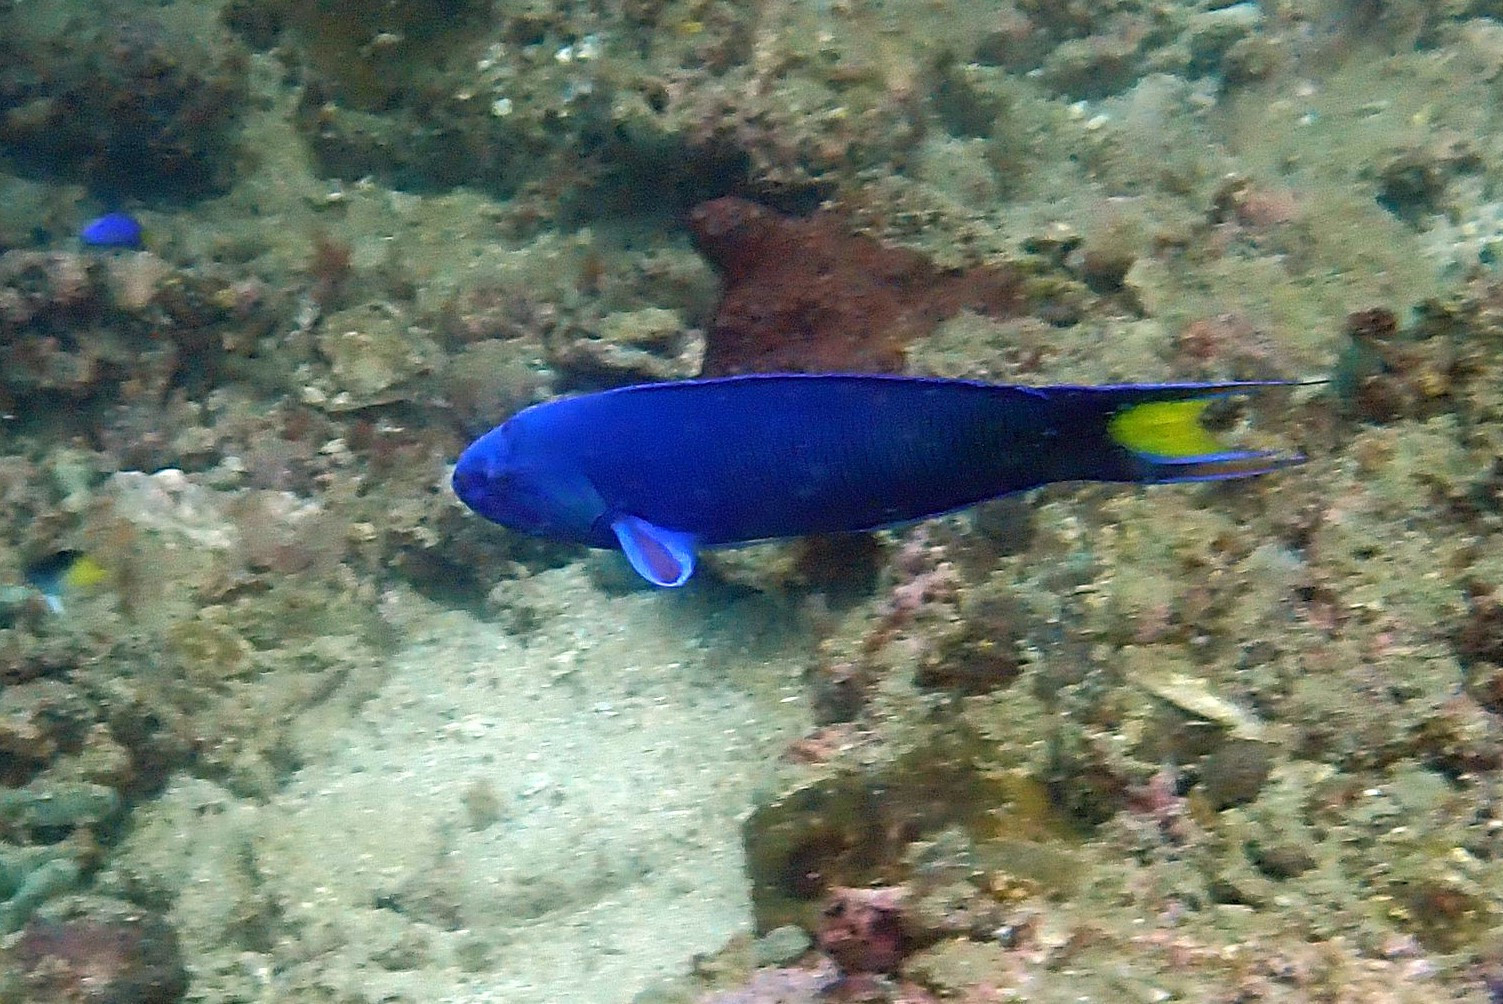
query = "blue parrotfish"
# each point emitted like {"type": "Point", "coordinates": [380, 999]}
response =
{"type": "Point", "coordinates": [660, 471]}
{"type": "Point", "coordinates": [113, 230]}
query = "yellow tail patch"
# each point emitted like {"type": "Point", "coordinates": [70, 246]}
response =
{"type": "Point", "coordinates": [85, 573]}
{"type": "Point", "coordinates": [1167, 429]}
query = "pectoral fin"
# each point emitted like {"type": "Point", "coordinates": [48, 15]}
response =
{"type": "Point", "coordinates": [662, 557]}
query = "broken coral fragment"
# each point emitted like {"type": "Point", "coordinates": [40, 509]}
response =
{"type": "Point", "coordinates": [1171, 679]}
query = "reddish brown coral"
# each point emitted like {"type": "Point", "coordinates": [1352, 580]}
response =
{"type": "Point", "coordinates": [862, 929]}
{"type": "Point", "coordinates": [117, 956]}
{"type": "Point", "coordinates": [805, 295]}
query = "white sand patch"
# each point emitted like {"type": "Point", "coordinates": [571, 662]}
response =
{"type": "Point", "coordinates": [507, 820]}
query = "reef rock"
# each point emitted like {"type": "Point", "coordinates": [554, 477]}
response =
{"type": "Point", "coordinates": [371, 352]}
{"type": "Point", "coordinates": [632, 345]}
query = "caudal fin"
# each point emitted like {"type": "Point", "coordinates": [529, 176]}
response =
{"type": "Point", "coordinates": [1164, 441]}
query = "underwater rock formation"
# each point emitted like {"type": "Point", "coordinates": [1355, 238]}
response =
{"type": "Point", "coordinates": [133, 105]}
{"type": "Point", "coordinates": [82, 326]}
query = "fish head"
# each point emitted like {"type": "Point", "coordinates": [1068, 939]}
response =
{"type": "Point", "coordinates": [525, 489]}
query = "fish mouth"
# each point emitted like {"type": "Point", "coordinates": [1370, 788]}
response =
{"type": "Point", "coordinates": [467, 482]}
{"type": "Point", "coordinates": [498, 495]}
{"type": "Point", "coordinates": [476, 484]}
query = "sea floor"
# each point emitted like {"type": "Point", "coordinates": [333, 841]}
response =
{"type": "Point", "coordinates": [503, 819]}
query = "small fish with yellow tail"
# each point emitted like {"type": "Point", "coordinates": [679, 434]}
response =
{"type": "Point", "coordinates": [64, 573]}
{"type": "Point", "coordinates": [661, 471]}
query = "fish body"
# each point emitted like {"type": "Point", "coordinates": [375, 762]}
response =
{"type": "Point", "coordinates": [663, 470]}
{"type": "Point", "coordinates": [113, 230]}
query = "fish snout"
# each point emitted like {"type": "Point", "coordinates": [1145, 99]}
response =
{"type": "Point", "coordinates": [470, 481]}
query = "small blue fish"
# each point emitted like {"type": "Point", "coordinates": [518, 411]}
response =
{"type": "Point", "coordinates": [113, 230]}
{"type": "Point", "coordinates": [662, 470]}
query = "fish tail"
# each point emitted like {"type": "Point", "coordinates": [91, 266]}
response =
{"type": "Point", "coordinates": [85, 573]}
{"type": "Point", "coordinates": [61, 573]}
{"type": "Point", "coordinates": [1154, 433]}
